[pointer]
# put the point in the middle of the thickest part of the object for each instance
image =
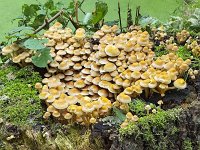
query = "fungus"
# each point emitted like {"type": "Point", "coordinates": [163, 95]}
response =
{"type": "Point", "coordinates": [112, 51]}
{"type": "Point", "coordinates": [180, 83]}
{"type": "Point", "coordinates": [147, 108]}
{"type": "Point", "coordinates": [123, 98]}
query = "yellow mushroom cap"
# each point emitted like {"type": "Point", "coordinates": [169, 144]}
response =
{"type": "Point", "coordinates": [46, 115]}
{"type": "Point", "coordinates": [134, 118]}
{"type": "Point", "coordinates": [152, 84]}
{"type": "Point", "coordinates": [180, 83]}
{"type": "Point", "coordinates": [88, 108]}
{"type": "Point", "coordinates": [6, 50]}
{"type": "Point", "coordinates": [73, 92]}
{"type": "Point", "coordinates": [50, 99]}
{"type": "Point", "coordinates": [68, 116]}
{"type": "Point", "coordinates": [112, 51]}
{"type": "Point", "coordinates": [51, 108]}
{"type": "Point", "coordinates": [71, 100]}
{"type": "Point", "coordinates": [38, 85]}
{"type": "Point", "coordinates": [60, 104]}
{"type": "Point", "coordinates": [78, 111]}
{"type": "Point", "coordinates": [109, 67]}
{"type": "Point", "coordinates": [43, 95]}
{"type": "Point", "coordinates": [56, 114]}
{"type": "Point", "coordinates": [123, 98]}
{"type": "Point", "coordinates": [79, 84]}
{"type": "Point", "coordinates": [93, 120]}
{"type": "Point", "coordinates": [129, 115]}
{"type": "Point", "coordinates": [124, 124]}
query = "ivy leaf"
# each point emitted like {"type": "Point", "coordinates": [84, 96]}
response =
{"type": "Point", "coordinates": [41, 58]}
{"type": "Point", "coordinates": [35, 44]}
{"type": "Point", "coordinates": [30, 10]}
{"type": "Point", "coordinates": [98, 14]}
{"type": "Point", "coordinates": [119, 114]}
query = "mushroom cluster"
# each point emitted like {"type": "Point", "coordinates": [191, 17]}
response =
{"type": "Point", "coordinates": [129, 118]}
{"type": "Point", "coordinates": [195, 48]}
{"type": "Point", "coordinates": [182, 36]}
{"type": "Point", "coordinates": [87, 77]}
{"type": "Point", "coordinates": [19, 55]}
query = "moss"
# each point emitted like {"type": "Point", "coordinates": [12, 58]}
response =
{"type": "Point", "coordinates": [137, 107]}
{"type": "Point", "coordinates": [154, 128]}
{"type": "Point", "coordinates": [19, 103]}
{"type": "Point", "coordinates": [187, 144]}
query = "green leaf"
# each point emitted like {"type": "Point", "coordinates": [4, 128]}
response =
{"type": "Point", "coordinates": [87, 17]}
{"type": "Point", "coordinates": [49, 5]}
{"type": "Point", "coordinates": [19, 29]}
{"type": "Point", "coordinates": [119, 114]}
{"type": "Point", "coordinates": [112, 23]}
{"type": "Point", "coordinates": [35, 44]}
{"type": "Point", "coordinates": [30, 10]}
{"type": "Point", "coordinates": [97, 15]}
{"type": "Point", "coordinates": [41, 58]}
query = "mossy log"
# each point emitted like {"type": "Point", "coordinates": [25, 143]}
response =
{"type": "Point", "coordinates": [180, 134]}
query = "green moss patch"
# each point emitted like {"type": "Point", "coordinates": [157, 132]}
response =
{"type": "Point", "coordinates": [155, 129]}
{"type": "Point", "coordinates": [19, 101]}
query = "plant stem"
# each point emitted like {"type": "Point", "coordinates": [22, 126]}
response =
{"type": "Point", "coordinates": [47, 22]}
{"type": "Point", "coordinates": [120, 19]}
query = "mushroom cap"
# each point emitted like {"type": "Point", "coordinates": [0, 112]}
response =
{"type": "Point", "coordinates": [68, 116]}
{"type": "Point", "coordinates": [38, 85]}
{"type": "Point", "coordinates": [93, 120]}
{"type": "Point", "coordinates": [123, 98]}
{"type": "Point", "coordinates": [43, 95]}
{"type": "Point", "coordinates": [56, 114]}
{"type": "Point", "coordinates": [73, 92]}
{"type": "Point", "coordinates": [6, 50]}
{"type": "Point", "coordinates": [112, 51]}
{"type": "Point", "coordinates": [51, 108]}
{"type": "Point", "coordinates": [180, 83]}
{"type": "Point", "coordinates": [109, 67]}
{"type": "Point", "coordinates": [46, 115]}
{"type": "Point", "coordinates": [136, 74]}
{"type": "Point", "coordinates": [60, 103]}
{"type": "Point", "coordinates": [79, 84]}
{"type": "Point", "coordinates": [147, 107]}
{"type": "Point", "coordinates": [88, 108]}
{"type": "Point", "coordinates": [71, 100]}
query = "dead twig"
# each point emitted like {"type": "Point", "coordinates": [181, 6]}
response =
{"type": "Point", "coordinates": [47, 22]}
{"type": "Point", "coordinates": [120, 19]}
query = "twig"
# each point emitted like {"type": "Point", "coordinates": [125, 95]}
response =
{"type": "Point", "coordinates": [120, 19]}
{"type": "Point", "coordinates": [47, 22]}
{"type": "Point", "coordinates": [76, 10]}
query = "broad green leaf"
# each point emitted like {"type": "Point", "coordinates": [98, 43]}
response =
{"type": "Point", "coordinates": [41, 58]}
{"type": "Point", "coordinates": [19, 29]}
{"type": "Point", "coordinates": [35, 44]}
{"type": "Point", "coordinates": [99, 13]}
{"type": "Point", "coordinates": [30, 10]}
{"type": "Point", "coordinates": [119, 114]}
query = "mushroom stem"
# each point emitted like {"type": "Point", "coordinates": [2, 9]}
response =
{"type": "Point", "coordinates": [146, 90]}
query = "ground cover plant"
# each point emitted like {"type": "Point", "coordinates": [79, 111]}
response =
{"type": "Point", "coordinates": [112, 83]}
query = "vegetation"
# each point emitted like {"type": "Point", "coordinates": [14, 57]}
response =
{"type": "Point", "coordinates": [96, 76]}
{"type": "Point", "coordinates": [19, 102]}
